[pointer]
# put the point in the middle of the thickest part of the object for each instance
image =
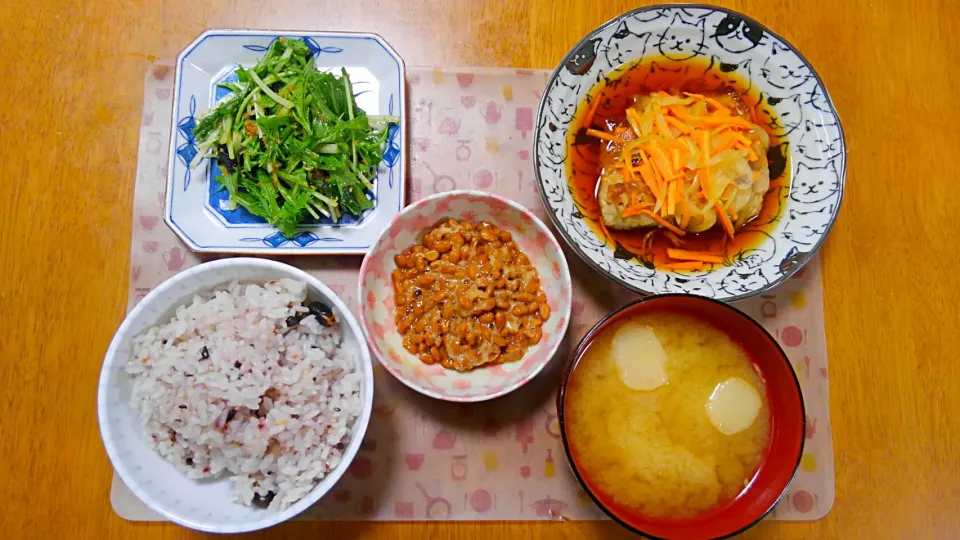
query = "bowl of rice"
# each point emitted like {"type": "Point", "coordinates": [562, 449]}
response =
{"type": "Point", "coordinates": [235, 395]}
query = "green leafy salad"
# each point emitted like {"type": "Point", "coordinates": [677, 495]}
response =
{"type": "Point", "coordinates": [291, 142]}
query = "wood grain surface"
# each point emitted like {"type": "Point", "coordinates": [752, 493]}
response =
{"type": "Point", "coordinates": [71, 96]}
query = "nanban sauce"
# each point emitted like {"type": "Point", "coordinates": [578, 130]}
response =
{"type": "Point", "coordinates": [616, 92]}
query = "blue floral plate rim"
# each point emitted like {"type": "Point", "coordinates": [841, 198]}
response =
{"type": "Point", "coordinates": [189, 208]}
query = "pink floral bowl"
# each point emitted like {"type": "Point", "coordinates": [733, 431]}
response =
{"type": "Point", "coordinates": [377, 307]}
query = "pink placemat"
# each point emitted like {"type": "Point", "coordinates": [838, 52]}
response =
{"type": "Point", "coordinates": [502, 460]}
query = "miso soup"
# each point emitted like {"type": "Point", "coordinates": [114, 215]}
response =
{"type": "Point", "coordinates": [666, 416]}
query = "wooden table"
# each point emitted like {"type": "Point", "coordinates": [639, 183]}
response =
{"type": "Point", "coordinates": [71, 96]}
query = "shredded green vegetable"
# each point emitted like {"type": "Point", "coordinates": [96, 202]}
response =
{"type": "Point", "coordinates": [291, 142]}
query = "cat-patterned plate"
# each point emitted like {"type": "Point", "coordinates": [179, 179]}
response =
{"type": "Point", "coordinates": [790, 101]}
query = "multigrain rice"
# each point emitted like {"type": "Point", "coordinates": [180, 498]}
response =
{"type": "Point", "coordinates": [228, 388]}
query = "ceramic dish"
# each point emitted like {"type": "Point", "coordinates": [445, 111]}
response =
{"type": "Point", "coordinates": [195, 206]}
{"type": "Point", "coordinates": [800, 110]}
{"type": "Point", "coordinates": [778, 463]}
{"type": "Point", "coordinates": [206, 505]}
{"type": "Point", "coordinates": [377, 306]}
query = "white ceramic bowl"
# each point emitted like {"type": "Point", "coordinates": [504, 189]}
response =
{"type": "Point", "coordinates": [206, 505]}
{"type": "Point", "coordinates": [376, 294]}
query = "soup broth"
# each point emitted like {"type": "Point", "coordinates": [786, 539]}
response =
{"type": "Point", "coordinates": [660, 452]}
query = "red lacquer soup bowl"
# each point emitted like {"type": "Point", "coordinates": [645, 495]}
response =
{"type": "Point", "coordinates": [781, 457]}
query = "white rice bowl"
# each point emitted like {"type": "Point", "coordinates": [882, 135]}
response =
{"type": "Point", "coordinates": [218, 414]}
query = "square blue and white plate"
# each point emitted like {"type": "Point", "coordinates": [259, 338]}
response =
{"type": "Point", "coordinates": [196, 207]}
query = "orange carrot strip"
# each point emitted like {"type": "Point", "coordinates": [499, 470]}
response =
{"type": "Point", "coordinates": [676, 159]}
{"type": "Point", "coordinates": [706, 185]}
{"type": "Point", "coordinates": [720, 107]}
{"type": "Point", "coordinates": [687, 255]}
{"type": "Point", "coordinates": [686, 265]}
{"type": "Point", "coordinates": [724, 220]}
{"type": "Point", "coordinates": [650, 179]}
{"type": "Point", "coordinates": [661, 221]}
{"type": "Point", "coordinates": [671, 198]}
{"type": "Point", "coordinates": [588, 121]}
{"type": "Point", "coordinates": [673, 239]}
{"type": "Point", "coordinates": [685, 129]}
{"type": "Point", "coordinates": [705, 145]}
{"type": "Point", "coordinates": [635, 209]}
{"type": "Point", "coordinates": [689, 94]}
{"type": "Point", "coordinates": [660, 160]}
{"type": "Point", "coordinates": [602, 135]}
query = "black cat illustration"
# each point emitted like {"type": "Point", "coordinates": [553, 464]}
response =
{"type": "Point", "coordinates": [625, 44]}
{"type": "Point", "coordinates": [728, 74]}
{"type": "Point", "coordinates": [812, 185]}
{"type": "Point", "coordinates": [736, 35]}
{"type": "Point", "coordinates": [785, 70]}
{"type": "Point", "coordinates": [581, 60]}
{"type": "Point", "coordinates": [819, 142]}
{"type": "Point", "coordinates": [806, 228]}
{"type": "Point", "coordinates": [791, 260]}
{"type": "Point", "coordinates": [781, 114]}
{"type": "Point", "coordinates": [682, 40]}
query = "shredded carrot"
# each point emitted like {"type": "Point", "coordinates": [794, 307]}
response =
{"type": "Point", "coordinates": [620, 130]}
{"type": "Point", "coordinates": [671, 198]}
{"type": "Point", "coordinates": [661, 221]}
{"type": "Point", "coordinates": [686, 265]}
{"type": "Point", "coordinates": [602, 135]}
{"type": "Point", "coordinates": [676, 159]}
{"type": "Point", "coordinates": [646, 173]}
{"type": "Point", "coordinates": [745, 143]}
{"type": "Point", "coordinates": [689, 94]}
{"type": "Point", "coordinates": [660, 160]}
{"type": "Point", "coordinates": [720, 107]}
{"type": "Point", "coordinates": [588, 121]}
{"type": "Point", "coordinates": [756, 175]}
{"type": "Point", "coordinates": [724, 220]}
{"type": "Point", "coordinates": [705, 145]}
{"type": "Point", "coordinates": [685, 129]}
{"type": "Point", "coordinates": [706, 185]}
{"type": "Point", "coordinates": [687, 255]}
{"type": "Point", "coordinates": [673, 238]}
{"type": "Point", "coordinates": [635, 209]}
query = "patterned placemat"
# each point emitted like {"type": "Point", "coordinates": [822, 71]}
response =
{"type": "Point", "coordinates": [501, 460]}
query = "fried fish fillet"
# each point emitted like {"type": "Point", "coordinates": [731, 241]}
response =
{"type": "Point", "coordinates": [750, 175]}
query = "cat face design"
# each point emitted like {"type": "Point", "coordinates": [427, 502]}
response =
{"type": "Point", "coordinates": [782, 114]}
{"type": "Point", "coordinates": [819, 142]}
{"type": "Point", "coordinates": [699, 287]}
{"type": "Point", "coordinates": [682, 40]}
{"type": "Point", "coordinates": [785, 70]}
{"type": "Point", "coordinates": [731, 75]}
{"type": "Point", "coordinates": [806, 228]}
{"type": "Point", "coordinates": [625, 45]}
{"type": "Point", "coordinates": [736, 35]}
{"type": "Point", "coordinates": [743, 281]}
{"type": "Point", "coordinates": [583, 57]}
{"type": "Point", "coordinates": [812, 185]}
